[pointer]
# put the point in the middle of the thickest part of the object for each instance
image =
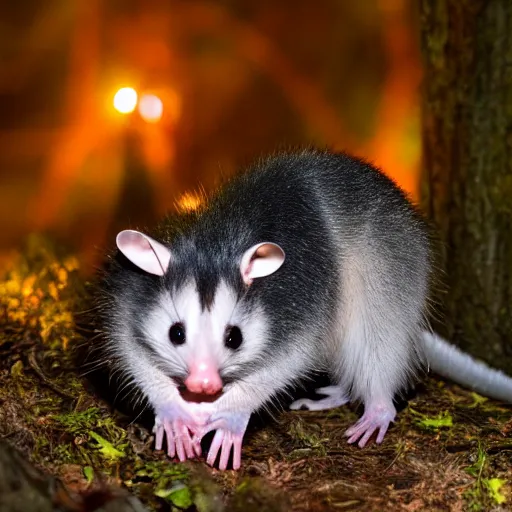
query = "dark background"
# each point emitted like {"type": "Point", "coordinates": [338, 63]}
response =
{"type": "Point", "coordinates": [237, 79]}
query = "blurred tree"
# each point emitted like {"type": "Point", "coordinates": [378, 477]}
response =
{"type": "Point", "coordinates": [467, 181]}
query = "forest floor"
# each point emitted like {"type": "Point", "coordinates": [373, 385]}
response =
{"type": "Point", "coordinates": [450, 449]}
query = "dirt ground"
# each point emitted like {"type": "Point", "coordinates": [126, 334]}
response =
{"type": "Point", "coordinates": [450, 449]}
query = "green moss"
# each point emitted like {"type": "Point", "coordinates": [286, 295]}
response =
{"type": "Point", "coordinates": [81, 441]}
{"type": "Point", "coordinates": [162, 469]}
{"type": "Point", "coordinates": [79, 422]}
{"type": "Point", "coordinates": [308, 435]}
{"type": "Point", "coordinates": [65, 454]}
{"type": "Point", "coordinates": [494, 486]}
{"type": "Point", "coordinates": [484, 489]}
{"type": "Point", "coordinates": [88, 473]}
{"type": "Point", "coordinates": [477, 467]}
{"type": "Point", "coordinates": [442, 420]}
{"type": "Point", "coordinates": [179, 495]}
{"type": "Point", "coordinates": [107, 449]}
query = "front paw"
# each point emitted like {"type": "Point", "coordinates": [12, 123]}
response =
{"type": "Point", "coordinates": [178, 437]}
{"type": "Point", "coordinates": [178, 422]}
{"type": "Point", "coordinates": [230, 429]}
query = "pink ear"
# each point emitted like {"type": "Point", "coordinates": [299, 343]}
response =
{"type": "Point", "coordinates": [261, 260]}
{"type": "Point", "coordinates": [143, 251]}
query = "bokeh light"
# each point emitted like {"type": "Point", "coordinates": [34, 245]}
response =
{"type": "Point", "coordinates": [125, 100]}
{"type": "Point", "coordinates": [151, 108]}
{"type": "Point", "coordinates": [144, 115]}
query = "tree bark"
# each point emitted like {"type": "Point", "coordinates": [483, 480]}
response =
{"type": "Point", "coordinates": [467, 176]}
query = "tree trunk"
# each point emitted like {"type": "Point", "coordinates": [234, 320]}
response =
{"type": "Point", "coordinates": [467, 178]}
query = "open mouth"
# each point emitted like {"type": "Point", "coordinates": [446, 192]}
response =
{"type": "Point", "coordinates": [189, 396]}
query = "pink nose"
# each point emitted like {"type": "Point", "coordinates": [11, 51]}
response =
{"type": "Point", "coordinates": [203, 377]}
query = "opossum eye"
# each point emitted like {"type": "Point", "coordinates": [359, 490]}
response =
{"type": "Point", "coordinates": [177, 334]}
{"type": "Point", "coordinates": [233, 338]}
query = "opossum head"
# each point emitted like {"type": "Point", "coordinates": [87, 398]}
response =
{"type": "Point", "coordinates": [203, 327]}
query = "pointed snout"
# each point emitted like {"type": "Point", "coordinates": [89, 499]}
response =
{"type": "Point", "coordinates": [204, 378]}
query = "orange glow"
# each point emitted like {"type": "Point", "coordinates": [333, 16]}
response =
{"type": "Point", "coordinates": [125, 100]}
{"type": "Point", "coordinates": [172, 104]}
{"type": "Point", "coordinates": [151, 108]}
{"type": "Point", "coordinates": [392, 147]}
{"type": "Point", "coordinates": [182, 103]}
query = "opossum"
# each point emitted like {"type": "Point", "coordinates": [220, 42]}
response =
{"type": "Point", "coordinates": [309, 261]}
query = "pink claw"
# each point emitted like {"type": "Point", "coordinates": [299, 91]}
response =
{"type": "Point", "coordinates": [179, 422]}
{"type": "Point", "coordinates": [159, 436]}
{"type": "Point", "coordinates": [179, 441]}
{"type": "Point", "coordinates": [225, 441]}
{"type": "Point", "coordinates": [230, 430]}
{"type": "Point", "coordinates": [214, 447]}
{"type": "Point", "coordinates": [375, 417]}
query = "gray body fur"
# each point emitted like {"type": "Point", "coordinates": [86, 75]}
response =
{"type": "Point", "coordinates": [349, 299]}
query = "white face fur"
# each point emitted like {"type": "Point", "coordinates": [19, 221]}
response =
{"type": "Point", "coordinates": [205, 330]}
{"type": "Point", "coordinates": [202, 332]}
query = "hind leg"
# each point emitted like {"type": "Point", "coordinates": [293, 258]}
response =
{"type": "Point", "coordinates": [376, 374]}
{"type": "Point", "coordinates": [380, 319]}
{"type": "Point", "coordinates": [335, 396]}
{"type": "Point", "coordinates": [376, 418]}
{"type": "Point", "coordinates": [376, 360]}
